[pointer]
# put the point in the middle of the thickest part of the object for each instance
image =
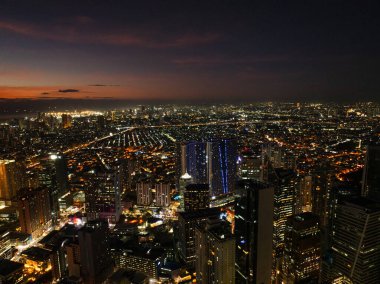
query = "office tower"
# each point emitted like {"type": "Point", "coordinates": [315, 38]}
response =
{"type": "Point", "coordinates": [103, 194]}
{"type": "Point", "coordinates": [192, 159]}
{"type": "Point", "coordinates": [196, 197]}
{"type": "Point", "coordinates": [66, 120]}
{"type": "Point", "coordinates": [95, 256]}
{"type": "Point", "coordinates": [144, 194]}
{"type": "Point", "coordinates": [249, 166]}
{"type": "Point", "coordinates": [371, 174]}
{"type": "Point", "coordinates": [285, 183]}
{"type": "Point", "coordinates": [304, 201]}
{"type": "Point", "coordinates": [221, 166]}
{"type": "Point", "coordinates": [11, 179]}
{"type": "Point", "coordinates": [253, 231]}
{"type": "Point", "coordinates": [162, 194]}
{"type": "Point", "coordinates": [186, 232]}
{"type": "Point", "coordinates": [302, 253]}
{"type": "Point", "coordinates": [34, 211]}
{"type": "Point", "coordinates": [215, 252]}
{"type": "Point", "coordinates": [355, 242]}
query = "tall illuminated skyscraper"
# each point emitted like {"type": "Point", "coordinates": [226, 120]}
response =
{"type": "Point", "coordinates": [103, 195]}
{"type": "Point", "coordinates": [34, 211]}
{"type": "Point", "coordinates": [253, 231]}
{"type": "Point", "coordinates": [356, 242]}
{"type": "Point", "coordinates": [212, 162]}
{"type": "Point", "coordinates": [221, 163]}
{"type": "Point", "coordinates": [302, 253]}
{"type": "Point", "coordinates": [285, 183]}
{"type": "Point", "coordinates": [193, 160]}
{"type": "Point", "coordinates": [11, 179]}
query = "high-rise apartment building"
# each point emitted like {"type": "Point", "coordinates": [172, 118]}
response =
{"type": "Point", "coordinates": [144, 194]}
{"type": "Point", "coordinates": [34, 211]}
{"type": "Point", "coordinates": [162, 194]}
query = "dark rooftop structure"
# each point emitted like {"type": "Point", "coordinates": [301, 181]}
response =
{"type": "Point", "coordinates": [36, 254]}
{"type": "Point", "coordinates": [7, 267]}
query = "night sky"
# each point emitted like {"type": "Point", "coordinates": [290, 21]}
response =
{"type": "Point", "coordinates": [222, 51]}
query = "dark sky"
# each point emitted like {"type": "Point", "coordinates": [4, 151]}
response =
{"type": "Point", "coordinates": [190, 50]}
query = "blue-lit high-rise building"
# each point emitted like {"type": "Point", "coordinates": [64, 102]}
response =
{"type": "Point", "coordinates": [221, 163]}
{"type": "Point", "coordinates": [212, 162]}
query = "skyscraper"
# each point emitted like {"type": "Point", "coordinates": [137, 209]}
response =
{"type": "Point", "coordinates": [371, 174]}
{"type": "Point", "coordinates": [34, 211]}
{"type": "Point", "coordinates": [249, 166]}
{"type": "Point", "coordinates": [186, 232]}
{"type": "Point", "coordinates": [193, 160]}
{"type": "Point", "coordinates": [52, 173]}
{"type": "Point", "coordinates": [212, 162]}
{"type": "Point", "coordinates": [196, 197]}
{"type": "Point", "coordinates": [221, 164]}
{"type": "Point", "coordinates": [284, 182]}
{"type": "Point", "coordinates": [95, 256]}
{"type": "Point", "coordinates": [356, 242]}
{"type": "Point", "coordinates": [11, 179]}
{"type": "Point", "coordinates": [253, 231]}
{"type": "Point", "coordinates": [215, 252]}
{"type": "Point", "coordinates": [302, 254]}
{"type": "Point", "coordinates": [304, 195]}
{"type": "Point", "coordinates": [103, 195]}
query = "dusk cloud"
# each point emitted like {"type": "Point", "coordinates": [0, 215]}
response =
{"type": "Point", "coordinates": [68, 91]}
{"type": "Point", "coordinates": [121, 36]}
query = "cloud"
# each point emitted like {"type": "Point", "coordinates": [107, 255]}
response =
{"type": "Point", "coordinates": [82, 30]}
{"type": "Point", "coordinates": [219, 60]}
{"type": "Point", "coordinates": [69, 91]}
{"type": "Point", "coordinates": [103, 85]}
{"type": "Point", "coordinates": [45, 93]}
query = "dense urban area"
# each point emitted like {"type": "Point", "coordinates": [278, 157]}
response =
{"type": "Point", "coordinates": [245, 193]}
